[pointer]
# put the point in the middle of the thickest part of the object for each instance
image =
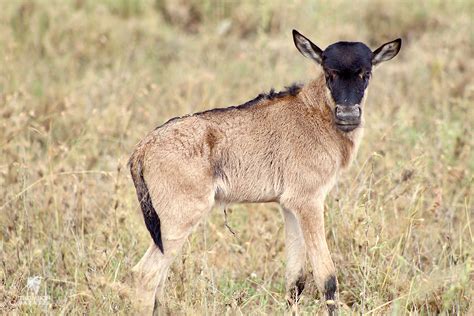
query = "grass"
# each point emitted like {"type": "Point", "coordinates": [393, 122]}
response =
{"type": "Point", "coordinates": [82, 81]}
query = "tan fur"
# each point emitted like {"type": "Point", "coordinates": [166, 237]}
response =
{"type": "Point", "coordinates": [286, 150]}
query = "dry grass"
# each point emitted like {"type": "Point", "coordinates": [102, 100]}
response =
{"type": "Point", "coordinates": [82, 81]}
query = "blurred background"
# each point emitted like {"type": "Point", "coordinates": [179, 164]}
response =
{"type": "Point", "coordinates": [82, 81]}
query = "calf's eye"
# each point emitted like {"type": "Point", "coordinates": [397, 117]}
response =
{"type": "Point", "coordinates": [330, 75]}
{"type": "Point", "coordinates": [364, 74]}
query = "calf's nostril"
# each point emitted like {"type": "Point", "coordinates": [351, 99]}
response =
{"type": "Point", "coordinates": [348, 113]}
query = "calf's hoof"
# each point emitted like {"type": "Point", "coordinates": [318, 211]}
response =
{"type": "Point", "coordinates": [331, 307]}
{"type": "Point", "coordinates": [293, 294]}
{"type": "Point", "coordinates": [330, 288]}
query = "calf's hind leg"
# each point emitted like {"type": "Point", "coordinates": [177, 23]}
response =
{"type": "Point", "coordinates": [149, 275]}
{"type": "Point", "coordinates": [179, 212]}
{"type": "Point", "coordinates": [152, 270]}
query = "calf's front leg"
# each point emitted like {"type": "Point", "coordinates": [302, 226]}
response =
{"type": "Point", "coordinates": [295, 257]}
{"type": "Point", "coordinates": [310, 216]}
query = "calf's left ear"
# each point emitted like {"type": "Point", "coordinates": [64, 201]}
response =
{"type": "Point", "coordinates": [386, 52]}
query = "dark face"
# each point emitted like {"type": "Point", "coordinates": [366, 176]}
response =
{"type": "Point", "coordinates": [347, 68]}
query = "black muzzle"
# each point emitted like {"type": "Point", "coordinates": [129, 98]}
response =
{"type": "Point", "coordinates": [347, 117]}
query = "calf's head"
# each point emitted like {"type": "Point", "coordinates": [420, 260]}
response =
{"type": "Point", "coordinates": [347, 68]}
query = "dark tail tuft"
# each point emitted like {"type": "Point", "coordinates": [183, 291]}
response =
{"type": "Point", "coordinates": [152, 221]}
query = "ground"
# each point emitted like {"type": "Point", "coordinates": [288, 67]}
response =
{"type": "Point", "coordinates": [81, 82]}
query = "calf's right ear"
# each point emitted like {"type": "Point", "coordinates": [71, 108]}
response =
{"type": "Point", "coordinates": [307, 48]}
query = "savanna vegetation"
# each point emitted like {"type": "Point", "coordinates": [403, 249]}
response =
{"type": "Point", "coordinates": [82, 81]}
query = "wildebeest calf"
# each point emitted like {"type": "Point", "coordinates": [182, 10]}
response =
{"type": "Point", "coordinates": [287, 147]}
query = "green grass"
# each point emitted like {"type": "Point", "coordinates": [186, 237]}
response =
{"type": "Point", "coordinates": [82, 81]}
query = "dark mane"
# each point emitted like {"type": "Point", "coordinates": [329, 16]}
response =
{"type": "Point", "coordinates": [292, 90]}
{"type": "Point", "coordinates": [271, 95]}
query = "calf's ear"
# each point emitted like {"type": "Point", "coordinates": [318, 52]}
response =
{"type": "Point", "coordinates": [386, 52]}
{"type": "Point", "coordinates": [307, 48]}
